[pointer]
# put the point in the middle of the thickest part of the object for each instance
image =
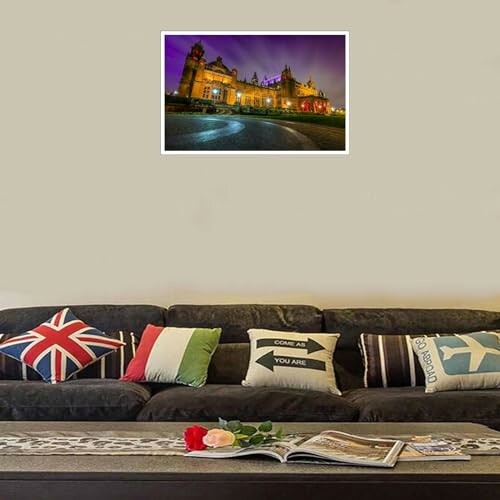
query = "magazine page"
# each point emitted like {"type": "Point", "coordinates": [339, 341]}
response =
{"type": "Point", "coordinates": [479, 443]}
{"type": "Point", "coordinates": [277, 450]}
{"type": "Point", "coordinates": [420, 449]}
{"type": "Point", "coordinates": [343, 448]}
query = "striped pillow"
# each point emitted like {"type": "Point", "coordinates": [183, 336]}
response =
{"type": "Point", "coordinates": [111, 366]}
{"type": "Point", "coordinates": [389, 360]}
{"type": "Point", "coordinates": [115, 364]}
{"type": "Point", "coordinates": [173, 355]}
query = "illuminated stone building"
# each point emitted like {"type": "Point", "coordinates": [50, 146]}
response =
{"type": "Point", "coordinates": [215, 81]}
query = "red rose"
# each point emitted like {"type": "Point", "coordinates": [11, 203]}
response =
{"type": "Point", "coordinates": [193, 437]}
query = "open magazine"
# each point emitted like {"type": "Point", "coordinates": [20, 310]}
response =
{"type": "Point", "coordinates": [329, 447]}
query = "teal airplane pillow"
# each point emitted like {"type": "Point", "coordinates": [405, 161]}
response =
{"type": "Point", "coordinates": [460, 362]}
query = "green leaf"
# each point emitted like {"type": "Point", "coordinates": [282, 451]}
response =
{"type": "Point", "coordinates": [234, 425]}
{"type": "Point", "coordinates": [244, 443]}
{"type": "Point", "coordinates": [222, 423]}
{"type": "Point", "coordinates": [266, 426]}
{"type": "Point", "coordinates": [256, 439]}
{"type": "Point", "coordinates": [248, 430]}
{"type": "Point", "coordinates": [279, 434]}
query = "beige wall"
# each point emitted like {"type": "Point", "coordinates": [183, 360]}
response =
{"type": "Point", "coordinates": [90, 211]}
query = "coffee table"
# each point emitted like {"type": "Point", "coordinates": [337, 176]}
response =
{"type": "Point", "coordinates": [179, 478]}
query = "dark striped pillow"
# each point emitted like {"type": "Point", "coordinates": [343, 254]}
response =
{"type": "Point", "coordinates": [389, 360]}
{"type": "Point", "coordinates": [113, 365]}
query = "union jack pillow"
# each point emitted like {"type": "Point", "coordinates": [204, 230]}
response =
{"type": "Point", "coordinates": [60, 347]}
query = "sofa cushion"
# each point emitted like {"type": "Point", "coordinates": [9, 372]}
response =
{"type": "Point", "coordinates": [85, 399]}
{"type": "Point", "coordinates": [229, 364]}
{"type": "Point", "coordinates": [350, 323]}
{"type": "Point", "coordinates": [412, 404]}
{"type": "Point", "coordinates": [212, 401]}
{"type": "Point", "coordinates": [107, 318]}
{"type": "Point", "coordinates": [235, 320]}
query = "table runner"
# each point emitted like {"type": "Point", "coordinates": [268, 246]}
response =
{"type": "Point", "coordinates": [171, 444]}
{"type": "Point", "coordinates": [91, 443]}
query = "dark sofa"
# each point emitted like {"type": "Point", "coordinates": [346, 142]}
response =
{"type": "Point", "coordinates": [108, 399]}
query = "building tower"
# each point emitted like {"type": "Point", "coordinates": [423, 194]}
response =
{"type": "Point", "coordinates": [234, 74]}
{"type": "Point", "coordinates": [287, 83]}
{"type": "Point", "coordinates": [193, 61]}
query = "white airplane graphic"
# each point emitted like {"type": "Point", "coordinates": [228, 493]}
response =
{"type": "Point", "coordinates": [476, 350]}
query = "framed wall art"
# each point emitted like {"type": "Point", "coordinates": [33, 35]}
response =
{"type": "Point", "coordinates": [251, 92]}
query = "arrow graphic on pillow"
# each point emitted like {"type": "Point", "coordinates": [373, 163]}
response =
{"type": "Point", "coordinates": [269, 361]}
{"type": "Point", "coordinates": [309, 344]}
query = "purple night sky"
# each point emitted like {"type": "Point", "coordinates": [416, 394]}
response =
{"type": "Point", "coordinates": [321, 56]}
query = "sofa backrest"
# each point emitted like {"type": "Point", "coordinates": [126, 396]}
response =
{"type": "Point", "coordinates": [236, 319]}
{"type": "Point", "coordinates": [107, 318]}
{"type": "Point", "coordinates": [230, 360]}
{"type": "Point", "coordinates": [350, 323]}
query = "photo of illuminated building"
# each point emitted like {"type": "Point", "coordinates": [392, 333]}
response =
{"type": "Point", "coordinates": [234, 92]}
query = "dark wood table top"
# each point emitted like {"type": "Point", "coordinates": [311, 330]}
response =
{"type": "Point", "coordinates": [181, 468]}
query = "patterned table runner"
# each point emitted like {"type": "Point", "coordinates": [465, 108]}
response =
{"type": "Point", "coordinates": [170, 444]}
{"type": "Point", "coordinates": [91, 443]}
